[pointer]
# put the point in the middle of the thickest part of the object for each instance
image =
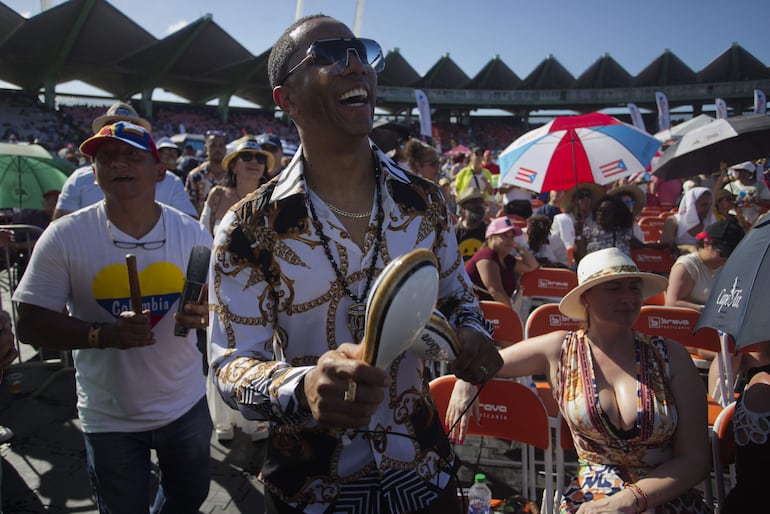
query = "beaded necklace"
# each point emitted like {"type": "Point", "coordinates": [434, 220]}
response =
{"type": "Point", "coordinates": [356, 312]}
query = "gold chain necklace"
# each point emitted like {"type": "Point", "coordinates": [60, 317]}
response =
{"type": "Point", "coordinates": [348, 214]}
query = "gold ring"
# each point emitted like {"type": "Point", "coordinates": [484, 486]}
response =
{"type": "Point", "coordinates": [350, 393]}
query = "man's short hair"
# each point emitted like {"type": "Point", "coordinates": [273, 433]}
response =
{"type": "Point", "coordinates": [283, 49]}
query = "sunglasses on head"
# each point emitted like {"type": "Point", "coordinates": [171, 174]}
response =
{"type": "Point", "coordinates": [220, 133]}
{"type": "Point", "coordinates": [583, 194]}
{"type": "Point", "coordinates": [336, 51]}
{"type": "Point", "coordinates": [248, 156]}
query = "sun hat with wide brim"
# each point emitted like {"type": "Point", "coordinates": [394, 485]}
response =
{"type": "Point", "coordinates": [250, 146]}
{"type": "Point", "coordinates": [469, 194]}
{"type": "Point", "coordinates": [120, 111]}
{"type": "Point", "coordinates": [568, 201]}
{"type": "Point", "coordinates": [640, 199]}
{"type": "Point", "coordinates": [603, 266]}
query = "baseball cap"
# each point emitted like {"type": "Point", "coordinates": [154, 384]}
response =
{"type": "Point", "coordinates": [724, 235]}
{"type": "Point", "coordinates": [744, 166]}
{"type": "Point", "coordinates": [129, 133]}
{"type": "Point", "coordinates": [167, 142]}
{"type": "Point", "coordinates": [269, 139]}
{"type": "Point", "coordinates": [120, 111]}
{"type": "Point", "coordinates": [500, 226]}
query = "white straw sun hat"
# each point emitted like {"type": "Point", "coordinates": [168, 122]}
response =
{"type": "Point", "coordinates": [602, 266]}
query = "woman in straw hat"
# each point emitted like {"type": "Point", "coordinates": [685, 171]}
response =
{"type": "Point", "coordinates": [246, 169]}
{"type": "Point", "coordinates": [635, 404]}
{"type": "Point", "coordinates": [614, 227]}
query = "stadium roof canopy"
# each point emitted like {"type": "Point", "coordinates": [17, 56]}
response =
{"type": "Point", "coordinates": [92, 41]}
{"type": "Point", "coordinates": [605, 72]}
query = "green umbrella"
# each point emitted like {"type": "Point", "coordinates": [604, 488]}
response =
{"type": "Point", "coordinates": [24, 179]}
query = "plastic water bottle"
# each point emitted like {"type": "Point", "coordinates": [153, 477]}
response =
{"type": "Point", "coordinates": [479, 496]}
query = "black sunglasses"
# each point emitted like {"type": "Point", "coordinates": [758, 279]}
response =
{"type": "Point", "coordinates": [248, 156]}
{"type": "Point", "coordinates": [325, 52]}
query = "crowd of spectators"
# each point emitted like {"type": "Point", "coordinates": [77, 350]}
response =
{"type": "Point", "coordinates": [26, 119]}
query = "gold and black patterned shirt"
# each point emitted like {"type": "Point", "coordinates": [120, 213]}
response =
{"type": "Point", "coordinates": [277, 306]}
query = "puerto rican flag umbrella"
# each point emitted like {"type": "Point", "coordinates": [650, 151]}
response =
{"type": "Point", "coordinates": [572, 150]}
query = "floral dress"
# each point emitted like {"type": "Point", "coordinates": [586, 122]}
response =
{"type": "Point", "coordinates": [611, 458]}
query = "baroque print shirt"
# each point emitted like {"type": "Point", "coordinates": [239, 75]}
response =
{"type": "Point", "coordinates": [277, 306]}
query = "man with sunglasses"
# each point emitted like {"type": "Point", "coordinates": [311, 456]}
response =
{"type": "Point", "coordinates": [294, 265]}
{"type": "Point", "coordinates": [201, 179]}
{"type": "Point", "coordinates": [139, 386]}
{"type": "Point", "coordinates": [272, 143]}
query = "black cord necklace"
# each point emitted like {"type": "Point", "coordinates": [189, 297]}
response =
{"type": "Point", "coordinates": [356, 312]}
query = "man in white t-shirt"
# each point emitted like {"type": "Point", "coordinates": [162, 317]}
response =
{"type": "Point", "coordinates": [139, 386]}
{"type": "Point", "coordinates": [81, 190]}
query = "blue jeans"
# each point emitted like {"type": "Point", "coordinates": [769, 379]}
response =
{"type": "Point", "coordinates": [119, 466]}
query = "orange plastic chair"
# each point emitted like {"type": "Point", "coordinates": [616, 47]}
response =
{"type": "Point", "coordinates": [653, 260]}
{"type": "Point", "coordinates": [508, 327]}
{"type": "Point", "coordinates": [547, 318]}
{"type": "Point", "coordinates": [544, 319]}
{"type": "Point", "coordinates": [651, 227]}
{"type": "Point", "coordinates": [511, 411]}
{"type": "Point", "coordinates": [658, 299]}
{"type": "Point", "coordinates": [723, 452]}
{"type": "Point", "coordinates": [651, 210]}
{"type": "Point", "coordinates": [678, 323]}
{"type": "Point", "coordinates": [548, 282]}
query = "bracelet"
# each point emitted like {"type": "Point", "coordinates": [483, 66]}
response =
{"type": "Point", "coordinates": [639, 497]}
{"type": "Point", "coordinates": [93, 335]}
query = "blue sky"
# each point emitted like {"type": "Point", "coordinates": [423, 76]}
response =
{"type": "Point", "coordinates": [522, 32]}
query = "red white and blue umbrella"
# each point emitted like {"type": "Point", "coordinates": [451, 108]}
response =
{"type": "Point", "coordinates": [572, 150]}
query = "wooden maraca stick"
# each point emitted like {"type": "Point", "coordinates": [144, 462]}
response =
{"type": "Point", "coordinates": [133, 283]}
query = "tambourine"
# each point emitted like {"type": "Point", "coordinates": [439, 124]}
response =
{"type": "Point", "coordinates": [400, 313]}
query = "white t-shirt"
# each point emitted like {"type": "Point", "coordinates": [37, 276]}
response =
{"type": "Point", "coordinates": [75, 264]}
{"type": "Point", "coordinates": [563, 226]}
{"type": "Point", "coordinates": [81, 190]}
